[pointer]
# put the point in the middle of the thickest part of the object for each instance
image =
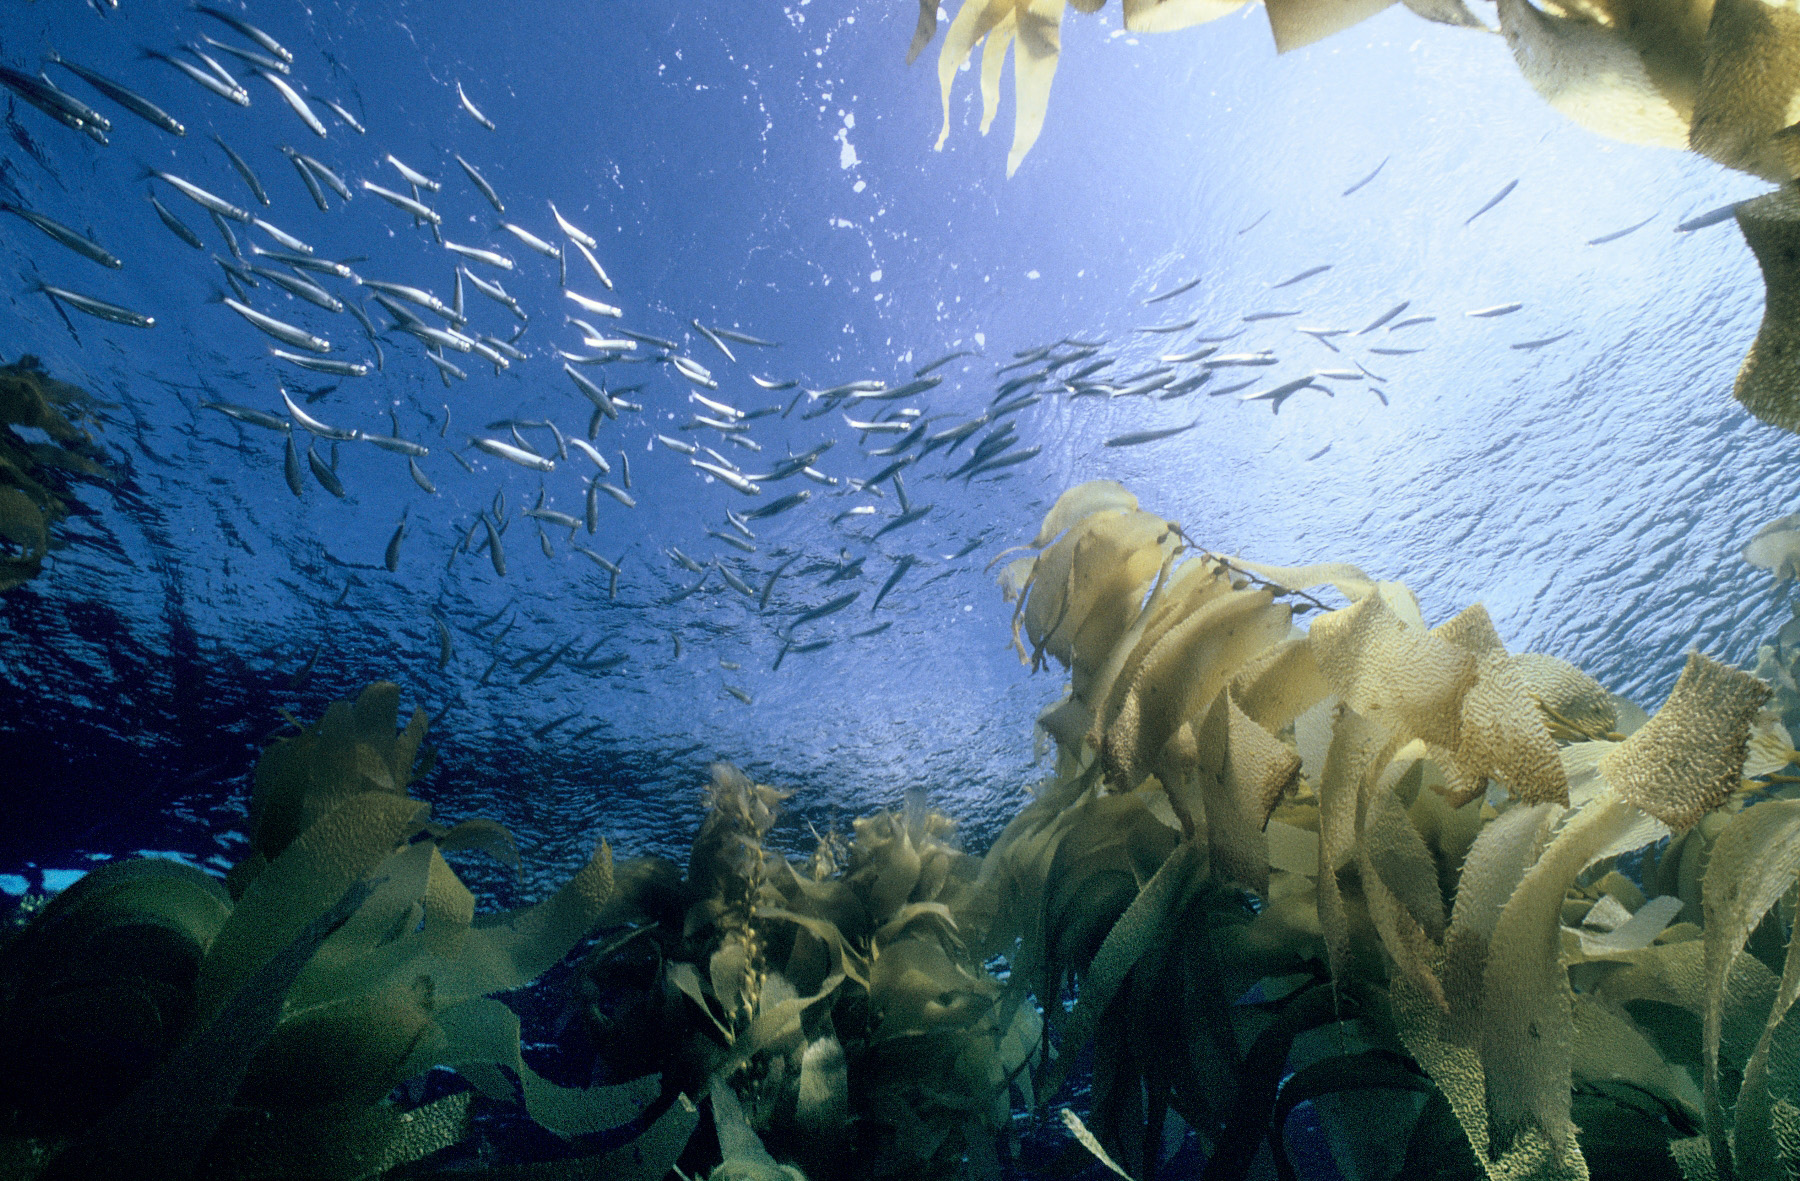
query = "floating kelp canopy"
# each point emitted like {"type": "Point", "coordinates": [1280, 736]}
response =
{"type": "Point", "coordinates": [1487, 918]}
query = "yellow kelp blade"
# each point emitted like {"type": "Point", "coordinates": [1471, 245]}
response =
{"type": "Point", "coordinates": [1689, 757]}
{"type": "Point", "coordinates": [1298, 23]}
{"type": "Point", "coordinates": [993, 60]}
{"type": "Point", "coordinates": [1165, 16]}
{"type": "Point", "coordinates": [1753, 864]}
{"type": "Point", "coordinates": [973, 22]}
{"type": "Point", "coordinates": [1749, 88]}
{"type": "Point", "coordinates": [1594, 75]}
{"type": "Point", "coordinates": [1768, 384]}
{"type": "Point", "coordinates": [1034, 66]}
{"type": "Point", "coordinates": [1526, 1019]}
{"type": "Point", "coordinates": [1080, 501]}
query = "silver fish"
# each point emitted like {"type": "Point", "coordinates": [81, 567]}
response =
{"type": "Point", "coordinates": [350, 120]}
{"type": "Point", "coordinates": [1134, 438]}
{"type": "Point", "coordinates": [247, 29]}
{"type": "Point", "coordinates": [202, 198]}
{"type": "Point", "coordinates": [1499, 309]}
{"type": "Point", "coordinates": [513, 454]}
{"type": "Point", "coordinates": [711, 336]}
{"type": "Point", "coordinates": [490, 257]}
{"type": "Point", "coordinates": [324, 365]}
{"type": "Point", "coordinates": [1308, 273]}
{"type": "Point", "coordinates": [594, 305]}
{"type": "Point", "coordinates": [481, 183]}
{"type": "Point", "coordinates": [1378, 321]}
{"type": "Point", "coordinates": [574, 234]}
{"type": "Point", "coordinates": [307, 422]}
{"type": "Point", "coordinates": [296, 480]}
{"type": "Point", "coordinates": [286, 333]}
{"type": "Point", "coordinates": [1494, 200]}
{"type": "Point", "coordinates": [142, 107]}
{"type": "Point", "coordinates": [1182, 289]}
{"type": "Point", "coordinates": [304, 288]}
{"type": "Point", "coordinates": [295, 102]}
{"type": "Point", "coordinates": [416, 208]}
{"type": "Point", "coordinates": [79, 243]}
{"type": "Point", "coordinates": [397, 445]}
{"type": "Point", "coordinates": [292, 243]}
{"type": "Point", "coordinates": [619, 494]}
{"type": "Point", "coordinates": [416, 295]}
{"type": "Point", "coordinates": [1365, 180]}
{"type": "Point", "coordinates": [534, 242]}
{"type": "Point", "coordinates": [98, 308]}
{"type": "Point", "coordinates": [212, 82]}
{"type": "Point", "coordinates": [599, 271]}
{"type": "Point", "coordinates": [753, 341]}
{"type": "Point", "coordinates": [1633, 228]}
{"type": "Point", "coordinates": [1165, 329]}
{"type": "Point", "coordinates": [412, 175]}
{"type": "Point", "coordinates": [470, 107]}
{"type": "Point", "coordinates": [323, 474]}
{"type": "Point", "coordinates": [246, 414]}
{"type": "Point", "coordinates": [250, 57]}
{"type": "Point", "coordinates": [446, 369]}
{"type": "Point", "coordinates": [175, 225]}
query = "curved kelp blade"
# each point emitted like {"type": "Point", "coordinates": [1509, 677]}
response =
{"type": "Point", "coordinates": [162, 1129]}
{"type": "Point", "coordinates": [477, 1035]}
{"type": "Point", "coordinates": [332, 1145]}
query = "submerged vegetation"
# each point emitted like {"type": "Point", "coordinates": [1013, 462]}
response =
{"type": "Point", "coordinates": [1483, 917]}
{"type": "Point", "coordinates": [36, 476]}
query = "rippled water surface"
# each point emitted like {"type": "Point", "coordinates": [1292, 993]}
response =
{"type": "Point", "coordinates": [767, 168]}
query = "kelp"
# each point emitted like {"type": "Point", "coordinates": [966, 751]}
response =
{"type": "Point", "coordinates": [1768, 384]}
{"type": "Point", "coordinates": [37, 478]}
{"type": "Point", "coordinates": [832, 1006]}
{"type": "Point", "coordinates": [1429, 828]}
{"type": "Point", "coordinates": [272, 1022]}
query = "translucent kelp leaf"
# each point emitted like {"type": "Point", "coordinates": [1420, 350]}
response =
{"type": "Point", "coordinates": [1446, 12]}
{"type": "Point", "coordinates": [1776, 547]}
{"type": "Point", "coordinates": [1638, 931]}
{"type": "Point", "coordinates": [1748, 91]}
{"type": "Point", "coordinates": [1767, 1122]}
{"type": "Point", "coordinates": [1088, 1141]}
{"type": "Point", "coordinates": [1598, 77]}
{"type": "Point", "coordinates": [1037, 46]}
{"type": "Point", "coordinates": [22, 526]}
{"type": "Point", "coordinates": [1087, 587]}
{"type": "Point", "coordinates": [511, 949]}
{"type": "Point", "coordinates": [1768, 383]}
{"type": "Point", "coordinates": [482, 1031]}
{"type": "Point", "coordinates": [993, 61]}
{"type": "Point", "coordinates": [973, 21]}
{"type": "Point", "coordinates": [1399, 882]}
{"type": "Point", "coordinates": [1165, 16]}
{"type": "Point", "coordinates": [652, 1154]}
{"type": "Point", "coordinates": [1081, 501]}
{"type": "Point", "coordinates": [1280, 684]}
{"type": "Point", "coordinates": [1178, 594]}
{"type": "Point", "coordinates": [1406, 679]}
{"type": "Point", "coordinates": [1497, 861]}
{"type": "Point", "coordinates": [1689, 757]}
{"type": "Point", "coordinates": [1359, 749]}
{"type": "Point", "coordinates": [822, 1099]}
{"type": "Point", "coordinates": [1527, 1035]}
{"type": "Point", "coordinates": [490, 836]}
{"type": "Point", "coordinates": [1298, 23]}
{"type": "Point", "coordinates": [1610, 1048]}
{"type": "Point", "coordinates": [1230, 771]}
{"type": "Point", "coordinates": [1349, 580]}
{"type": "Point", "coordinates": [1753, 863]}
{"type": "Point", "coordinates": [745, 1157]}
{"type": "Point", "coordinates": [1182, 674]}
{"type": "Point", "coordinates": [1502, 734]}
{"type": "Point", "coordinates": [350, 1050]}
{"type": "Point", "coordinates": [309, 876]}
{"type": "Point", "coordinates": [449, 909]}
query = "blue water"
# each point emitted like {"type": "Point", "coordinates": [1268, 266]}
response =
{"type": "Point", "coordinates": [769, 168]}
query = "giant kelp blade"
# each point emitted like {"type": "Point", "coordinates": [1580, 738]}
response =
{"type": "Point", "coordinates": [1593, 75]}
{"type": "Point", "coordinates": [1687, 759]}
{"type": "Point", "coordinates": [993, 63]}
{"type": "Point", "coordinates": [1080, 501]}
{"type": "Point", "coordinates": [163, 1128]}
{"type": "Point", "coordinates": [1298, 23]}
{"type": "Point", "coordinates": [973, 22]}
{"type": "Point", "coordinates": [1037, 46]}
{"type": "Point", "coordinates": [302, 883]}
{"type": "Point", "coordinates": [1747, 91]}
{"type": "Point", "coordinates": [1753, 864]}
{"type": "Point", "coordinates": [1768, 383]}
{"type": "Point", "coordinates": [331, 1145]}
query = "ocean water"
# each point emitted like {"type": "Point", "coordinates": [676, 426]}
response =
{"type": "Point", "coordinates": [768, 168]}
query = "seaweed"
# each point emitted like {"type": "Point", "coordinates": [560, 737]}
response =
{"type": "Point", "coordinates": [37, 478]}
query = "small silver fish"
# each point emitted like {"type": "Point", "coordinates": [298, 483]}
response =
{"type": "Point", "coordinates": [481, 183]}
{"type": "Point", "coordinates": [416, 208]}
{"type": "Point", "coordinates": [98, 308]}
{"type": "Point", "coordinates": [471, 108]}
{"type": "Point", "coordinates": [295, 102]}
